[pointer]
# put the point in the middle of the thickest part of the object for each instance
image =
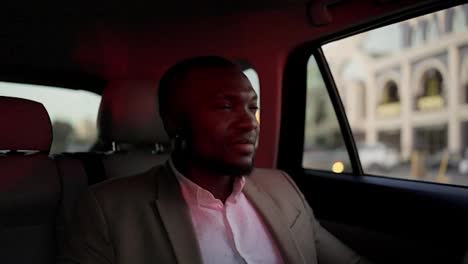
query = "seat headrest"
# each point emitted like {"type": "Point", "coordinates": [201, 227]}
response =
{"type": "Point", "coordinates": [25, 125]}
{"type": "Point", "coordinates": [129, 113]}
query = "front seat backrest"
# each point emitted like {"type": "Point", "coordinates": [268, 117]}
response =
{"type": "Point", "coordinates": [129, 121]}
{"type": "Point", "coordinates": [29, 183]}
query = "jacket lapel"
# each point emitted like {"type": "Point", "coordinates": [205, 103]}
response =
{"type": "Point", "coordinates": [175, 215]}
{"type": "Point", "coordinates": [275, 220]}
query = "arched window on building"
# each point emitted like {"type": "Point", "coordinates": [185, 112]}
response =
{"type": "Point", "coordinates": [390, 93]}
{"type": "Point", "coordinates": [459, 20]}
{"type": "Point", "coordinates": [417, 35]}
{"type": "Point", "coordinates": [432, 91]}
{"type": "Point", "coordinates": [433, 31]}
{"type": "Point", "coordinates": [390, 101]}
{"type": "Point", "coordinates": [406, 33]}
{"type": "Point", "coordinates": [465, 88]}
{"type": "Point", "coordinates": [433, 82]}
{"type": "Point", "coordinates": [465, 12]}
{"type": "Point", "coordinates": [448, 20]}
{"type": "Point", "coordinates": [464, 83]}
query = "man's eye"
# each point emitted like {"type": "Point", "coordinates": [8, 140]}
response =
{"type": "Point", "coordinates": [253, 108]}
{"type": "Point", "coordinates": [223, 106]}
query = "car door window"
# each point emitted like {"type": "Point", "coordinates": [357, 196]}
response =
{"type": "Point", "coordinates": [324, 147]}
{"type": "Point", "coordinates": [252, 75]}
{"type": "Point", "coordinates": [73, 113]}
{"type": "Point", "coordinates": [405, 91]}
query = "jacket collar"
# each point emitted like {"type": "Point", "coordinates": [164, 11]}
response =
{"type": "Point", "coordinates": [275, 220]}
{"type": "Point", "coordinates": [175, 216]}
{"type": "Point", "coordinates": [193, 193]}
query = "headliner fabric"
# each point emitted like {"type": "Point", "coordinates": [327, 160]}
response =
{"type": "Point", "coordinates": [25, 125]}
{"type": "Point", "coordinates": [129, 113]}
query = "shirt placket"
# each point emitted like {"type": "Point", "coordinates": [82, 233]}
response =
{"type": "Point", "coordinates": [228, 219]}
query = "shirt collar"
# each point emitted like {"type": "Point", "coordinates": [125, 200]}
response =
{"type": "Point", "coordinates": [193, 193]}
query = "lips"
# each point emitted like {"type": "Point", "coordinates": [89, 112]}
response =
{"type": "Point", "coordinates": [245, 141]}
{"type": "Point", "coordinates": [244, 148]}
{"type": "Point", "coordinates": [248, 139]}
{"type": "Point", "coordinates": [245, 145]}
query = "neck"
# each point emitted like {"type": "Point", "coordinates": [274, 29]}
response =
{"type": "Point", "coordinates": [219, 185]}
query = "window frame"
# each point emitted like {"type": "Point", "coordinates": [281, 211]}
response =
{"type": "Point", "coordinates": [291, 140]}
{"type": "Point", "coordinates": [290, 155]}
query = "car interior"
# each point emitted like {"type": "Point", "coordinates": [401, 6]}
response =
{"type": "Point", "coordinates": [363, 103]}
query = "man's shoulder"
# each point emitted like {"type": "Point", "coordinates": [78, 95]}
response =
{"type": "Point", "coordinates": [272, 178]}
{"type": "Point", "coordinates": [278, 185]}
{"type": "Point", "coordinates": [142, 185]}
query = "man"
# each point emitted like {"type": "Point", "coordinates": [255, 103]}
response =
{"type": "Point", "coordinates": [207, 204]}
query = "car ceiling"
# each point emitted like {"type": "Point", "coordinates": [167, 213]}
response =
{"type": "Point", "coordinates": [79, 44]}
{"type": "Point", "coordinates": [133, 10]}
{"type": "Point", "coordinates": [38, 39]}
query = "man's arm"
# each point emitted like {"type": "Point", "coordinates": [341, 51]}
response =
{"type": "Point", "coordinates": [330, 250]}
{"type": "Point", "coordinates": [87, 240]}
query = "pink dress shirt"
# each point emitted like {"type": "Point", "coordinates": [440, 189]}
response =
{"type": "Point", "coordinates": [228, 233]}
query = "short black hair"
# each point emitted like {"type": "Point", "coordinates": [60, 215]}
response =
{"type": "Point", "coordinates": [169, 83]}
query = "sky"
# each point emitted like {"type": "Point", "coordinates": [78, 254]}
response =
{"type": "Point", "coordinates": [383, 40]}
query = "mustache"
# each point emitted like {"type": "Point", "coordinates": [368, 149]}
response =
{"type": "Point", "coordinates": [246, 139]}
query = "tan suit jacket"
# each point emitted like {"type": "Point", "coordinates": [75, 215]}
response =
{"type": "Point", "coordinates": [144, 219]}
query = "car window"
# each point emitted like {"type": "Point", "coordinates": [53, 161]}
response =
{"type": "Point", "coordinates": [324, 148]}
{"type": "Point", "coordinates": [405, 91]}
{"type": "Point", "coordinates": [73, 113]}
{"type": "Point", "coordinates": [252, 75]}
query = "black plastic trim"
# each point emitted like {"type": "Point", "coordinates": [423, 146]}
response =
{"type": "Point", "coordinates": [291, 143]}
{"type": "Point", "coordinates": [339, 112]}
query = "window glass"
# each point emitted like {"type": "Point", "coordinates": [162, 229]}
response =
{"type": "Point", "coordinates": [324, 148]}
{"type": "Point", "coordinates": [73, 113]}
{"type": "Point", "coordinates": [418, 36]}
{"type": "Point", "coordinates": [459, 20]}
{"type": "Point", "coordinates": [433, 30]}
{"type": "Point", "coordinates": [415, 124]}
{"type": "Point", "coordinates": [253, 78]}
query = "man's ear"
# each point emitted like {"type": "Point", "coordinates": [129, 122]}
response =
{"type": "Point", "coordinates": [182, 127]}
{"type": "Point", "coordinates": [169, 126]}
{"type": "Point", "coordinates": [176, 126]}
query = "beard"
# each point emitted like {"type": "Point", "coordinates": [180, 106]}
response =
{"type": "Point", "coordinates": [213, 164]}
{"type": "Point", "coordinates": [232, 170]}
{"type": "Point", "coordinates": [221, 167]}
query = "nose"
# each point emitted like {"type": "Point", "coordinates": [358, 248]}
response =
{"type": "Point", "coordinates": [247, 121]}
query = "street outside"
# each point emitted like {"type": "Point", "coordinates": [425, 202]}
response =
{"type": "Point", "coordinates": [451, 176]}
{"type": "Point", "coordinates": [324, 160]}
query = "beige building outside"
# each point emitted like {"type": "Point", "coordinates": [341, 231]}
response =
{"type": "Point", "coordinates": [413, 95]}
{"type": "Point", "coordinates": [405, 91]}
